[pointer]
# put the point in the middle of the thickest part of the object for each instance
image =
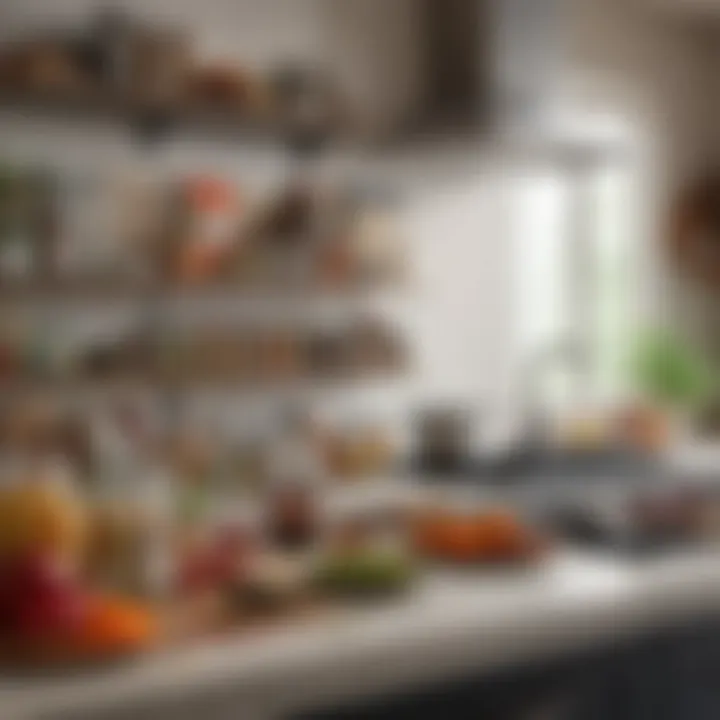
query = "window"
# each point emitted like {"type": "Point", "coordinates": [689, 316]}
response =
{"type": "Point", "coordinates": [575, 255]}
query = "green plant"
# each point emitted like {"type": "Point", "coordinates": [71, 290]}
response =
{"type": "Point", "coordinates": [671, 372]}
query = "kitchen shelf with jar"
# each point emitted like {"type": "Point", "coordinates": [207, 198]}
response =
{"type": "Point", "coordinates": [230, 387]}
{"type": "Point", "coordinates": [107, 289]}
{"type": "Point", "coordinates": [142, 115]}
{"type": "Point", "coordinates": [222, 456]}
{"type": "Point", "coordinates": [199, 236]}
{"type": "Point", "coordinates": [152, 79]}
{"type": "Point", "coordinates": [220, 356]}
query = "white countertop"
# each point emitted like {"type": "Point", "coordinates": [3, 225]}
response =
{"type": "Point", "coordinates": [451, 624]}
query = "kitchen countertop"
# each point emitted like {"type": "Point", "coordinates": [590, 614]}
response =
{"type": "Point", "coordinates": [452, 624]}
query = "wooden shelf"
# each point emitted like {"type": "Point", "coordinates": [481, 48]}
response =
{"type": "Point", "coordinates": [138, 114]}
{"type": "Point", "coordinates": [92, 289]}
{"type": "Point", "coordinates": [22, 385]}
{"type": "Point", "coordinates": [80, 289]}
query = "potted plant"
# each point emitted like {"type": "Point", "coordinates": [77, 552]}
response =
{"type": "Point", "coordinates": [673, 380]}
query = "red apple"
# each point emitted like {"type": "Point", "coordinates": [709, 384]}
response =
{"type": "Point", "coordinates": [54, 616]}
{"type": "Point", "coordinates": [38, 596]}
{"type": "Point", "coordinates": [36, 575]}
{"type": "Point", "coordinates": [6, 600]}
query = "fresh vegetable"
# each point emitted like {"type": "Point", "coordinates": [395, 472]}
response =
{"type": "Point", "coordinates": [44, 606]}
{"type": "Point", "coordinates": [366, 571]}
{"type": "Point", "coordinates": [490, 536]}
{"type": "Point", "coordinates": [115, 625]}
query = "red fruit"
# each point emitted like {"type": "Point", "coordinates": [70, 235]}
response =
{"type": "Point", "coordinates": [54, 616]}
{"type": "Point", "coordinates": [38, 595]}
{"type": "Point", "coordinates": [37, 575]}
{"type": "Point", "coordinates": [6, 601]}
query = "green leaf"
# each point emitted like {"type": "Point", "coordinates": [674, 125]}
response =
{"type": "Point", "coordinates": [670, 371]}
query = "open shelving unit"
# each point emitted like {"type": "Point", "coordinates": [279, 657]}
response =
{"type": "Point", "coordinates": [260, 123]}
{"type": "Point", "coordinates": [244, 122]}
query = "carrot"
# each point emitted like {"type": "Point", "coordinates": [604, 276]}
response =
{"type": "Point", "coordinates": [116, 625]}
